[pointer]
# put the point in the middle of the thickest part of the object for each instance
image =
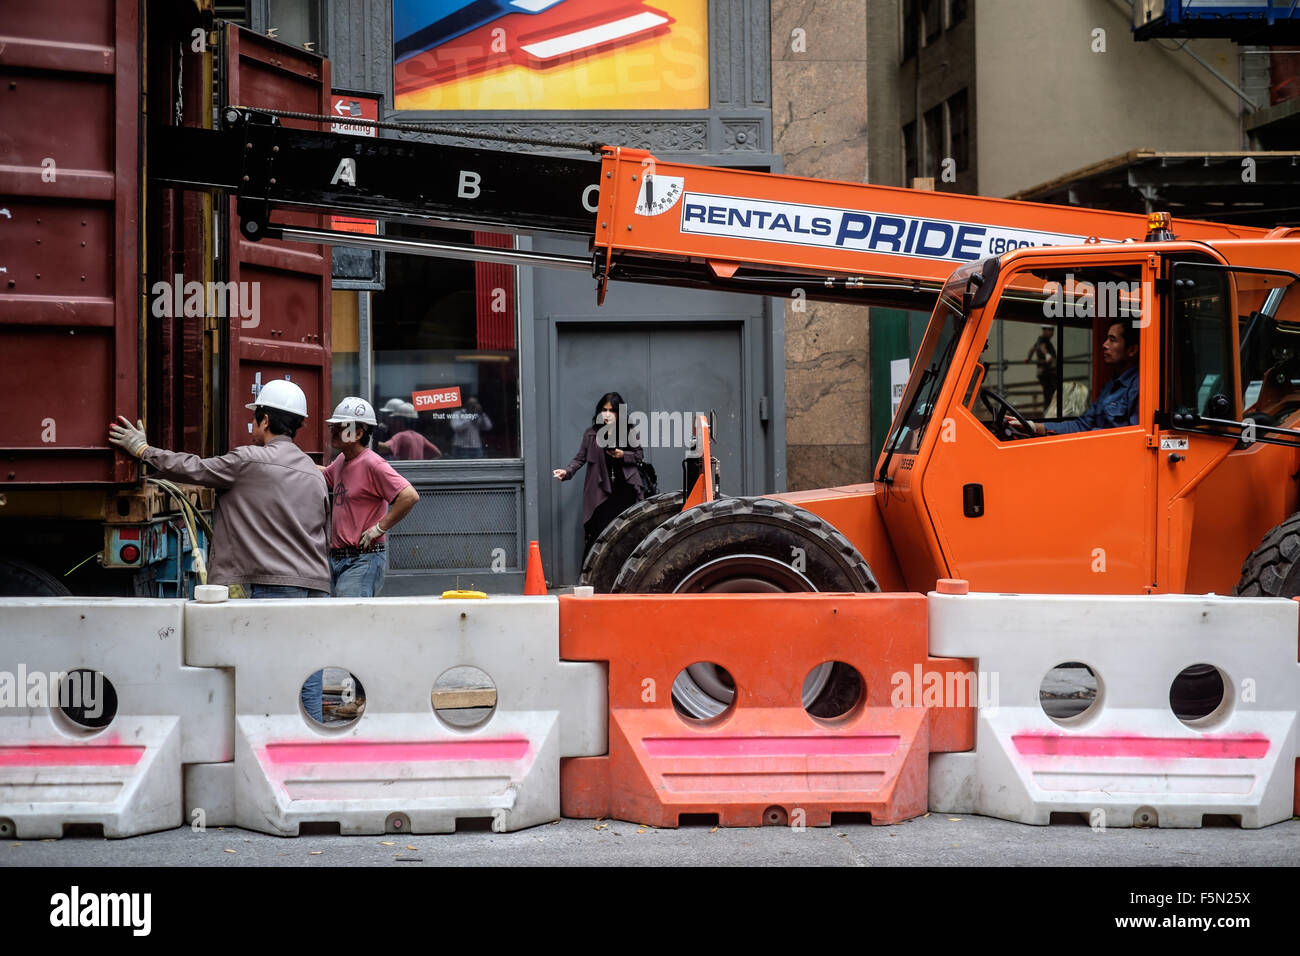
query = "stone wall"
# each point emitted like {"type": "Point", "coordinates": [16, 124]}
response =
{"type": "Point", "coordinates": [819, 126]}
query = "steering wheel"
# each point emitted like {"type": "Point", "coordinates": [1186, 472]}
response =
{"type": "Point", "coordinates": [1002, 411]}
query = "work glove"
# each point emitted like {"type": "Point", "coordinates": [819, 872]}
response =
{"type": "Point", "coordinates": [130, 438]}
{"type": "Point", "coordinates": [370, 536]}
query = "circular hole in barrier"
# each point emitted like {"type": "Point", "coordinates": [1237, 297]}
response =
{"type": "Point", "coordinates": [83, 700]}
{"type": "Point", "coordinates": [333, 697]}
{"type": "Point", "coordinates": [464, 697]}
{"type": "Point", "coordinates": [832, 690]}
{"type": "Point", "coordinates": [703, 691]}
{"type": "Point", "coordinates": [7, 828]}
{"type": "Point", "coordinates": [1069, 691]}
{"type": "Point", "coordinates": [1197, 692]}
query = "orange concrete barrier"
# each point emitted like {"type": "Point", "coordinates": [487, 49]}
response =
{"type": "Point", "coordinates": [766, 759]}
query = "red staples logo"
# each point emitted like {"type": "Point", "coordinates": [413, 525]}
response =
{"type": "Point", "coordinates": [432, 398]}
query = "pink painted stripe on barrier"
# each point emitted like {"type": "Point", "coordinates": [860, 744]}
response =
{"type": "Point", "coordinates": [855, 746]}
{"type": "Point", "coordinates": [60, 755]}
{"type": "Point", "coordinates": [1246, 747]}
{"type": "Point", "coordinates": [354, 751]}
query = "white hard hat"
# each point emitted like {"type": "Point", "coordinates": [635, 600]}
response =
{"type": "Point", "coordinates": [392, 405]}
{"type": "Point", "coordinates": [353, 409]}
{"type": "Point", "coordinates": [406, 410]}
{"type": "Point", "coordinates": [282, 394]}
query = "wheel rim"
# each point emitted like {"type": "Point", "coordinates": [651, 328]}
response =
{"type": "Point", "coordinates": [744, 574]}
{"type": "Point", "coordinates": [699, 690]}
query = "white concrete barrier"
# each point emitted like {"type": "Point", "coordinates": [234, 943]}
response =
{"type": "Point", "coordinates": [1128, 759]}
{"type": "Point", "coordinates": [399, 767]}
{"type": "Point", "coordinates": [126, 776]}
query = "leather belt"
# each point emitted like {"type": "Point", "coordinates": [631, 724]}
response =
{"type": "Point", "coordinates": [354, 552]}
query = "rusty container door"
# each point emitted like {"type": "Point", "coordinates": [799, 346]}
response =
{"type": "Point", "coordinates": [288, 337]}
{"type": "Point", "coordinates": [70, 295]}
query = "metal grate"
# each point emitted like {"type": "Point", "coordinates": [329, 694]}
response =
{"type": "Point", "coordinates": [458, 530]}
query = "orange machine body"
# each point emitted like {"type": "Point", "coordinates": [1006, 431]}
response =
{"type": "Point", "coordinates": [1109, 511]}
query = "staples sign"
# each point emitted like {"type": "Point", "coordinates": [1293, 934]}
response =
{"type": "Point", "coordinates": [433, 398]}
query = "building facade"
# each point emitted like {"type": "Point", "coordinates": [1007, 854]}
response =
{"type": "Point", "coordinates": [531, 348]}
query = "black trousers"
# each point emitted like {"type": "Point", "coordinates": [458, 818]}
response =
{"type": "Point", "coordinates": [624, 497]}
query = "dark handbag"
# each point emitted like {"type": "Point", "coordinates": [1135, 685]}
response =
{"type": "Point", "coordinates": [649, 480]}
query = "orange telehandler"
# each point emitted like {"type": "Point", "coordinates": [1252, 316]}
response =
{"type": "Point", "coordinates": [1172, 503]}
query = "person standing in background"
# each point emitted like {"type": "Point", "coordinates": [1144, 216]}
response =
{"type": "Point", "coordinates": [612, 483]}
{"type": "Point", "coordinates": [385, 415]}
{"type": "Point", "coordinates": [1044, 353]}
{"type": "Point", "coordinates": [363, 486]}
{"type": "Point", "coordinates": [407, 444]}
{"type": "Point", "coordinates": [467, 424]}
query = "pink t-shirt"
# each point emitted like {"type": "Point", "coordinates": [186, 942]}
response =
{"type": "Point", "coordinates": [412, 446]}
{"type": "Point", "coordinates": [362, 489]}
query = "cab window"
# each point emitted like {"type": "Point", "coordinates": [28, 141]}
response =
{"type": "Point", "coordinates": [1268, 316]}
{"type": "Point", "coordinates": [1043, 355]}
{"type": "Point", "coordinates": [1209, 304]}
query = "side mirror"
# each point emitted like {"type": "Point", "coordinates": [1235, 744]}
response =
{"type": "Point", "coordinates": [968, 297]}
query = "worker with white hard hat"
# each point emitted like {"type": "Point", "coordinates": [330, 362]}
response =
{"type": "Point", "coordinates": [269, 539]}
{"type": "Point", "coordinates": [369, 497]}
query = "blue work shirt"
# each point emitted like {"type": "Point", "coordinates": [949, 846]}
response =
{"type": "Point", "coordinates": [1115, 407]}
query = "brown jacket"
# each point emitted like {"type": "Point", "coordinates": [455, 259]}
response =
{"type": "Point", "coordinates": [272, 515]}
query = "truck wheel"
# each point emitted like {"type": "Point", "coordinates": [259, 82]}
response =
{"type": "Point", "coordinates": [1273, 569]}
{"type": "Point", "coordinates": [746, 545]}
{"type": "Point", "coordinates": [622, 535]}
{"type": "Point", "coordinates": [20, 579]}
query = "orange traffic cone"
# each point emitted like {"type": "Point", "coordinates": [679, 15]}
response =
{"type": "Point", "coordinates": [534, 580]}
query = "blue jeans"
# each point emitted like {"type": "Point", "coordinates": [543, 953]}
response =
{"type": "Point", "coordinates": [359, 576]}
{"type": "Point", "coordinates": [311, 688]}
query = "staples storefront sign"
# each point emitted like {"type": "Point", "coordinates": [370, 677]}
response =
{"type": "Point", "coordinates": [432, 398]}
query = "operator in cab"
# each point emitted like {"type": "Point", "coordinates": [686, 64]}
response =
{"type": "Point", "coordinates": [1117, 405]}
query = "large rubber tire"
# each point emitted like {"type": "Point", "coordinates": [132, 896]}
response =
{"type": "Point", "coordinates": [753, 545]}
{"type": "Point", "coordinates": [1273, 569]}
{"type": "Point", "coordinates": [709, 549]}
{"type": "Point", "coordinates": [622, 535]}
{"type": "Point", "coordinates": [20, 579]}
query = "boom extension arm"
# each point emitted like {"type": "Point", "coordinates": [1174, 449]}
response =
{"type": "Point", "coordinates": [647, 221]}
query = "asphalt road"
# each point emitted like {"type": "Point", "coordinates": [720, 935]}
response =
{"type": "Point", "coordinates": [937, 839]}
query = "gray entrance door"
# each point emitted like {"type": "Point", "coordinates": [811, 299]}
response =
{"type": "Point", "coordinates": [678, 369]}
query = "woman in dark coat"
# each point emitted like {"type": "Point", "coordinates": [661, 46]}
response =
{"type": "Point", "coordinates": [613, 482]}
